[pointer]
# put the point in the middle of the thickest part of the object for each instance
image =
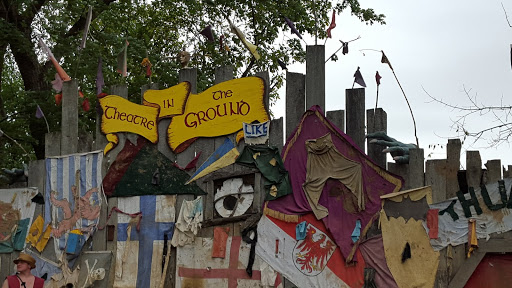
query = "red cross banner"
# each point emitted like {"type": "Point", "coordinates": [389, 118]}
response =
{"type": "Point", "coordinates": [196, 267]}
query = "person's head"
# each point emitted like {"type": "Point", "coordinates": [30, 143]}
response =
{"type": "Point", "coordinates": [24, 262]}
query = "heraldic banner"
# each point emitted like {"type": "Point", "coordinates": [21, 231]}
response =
{"type": "Point", "coordinates": [314, 261]}
{"type": "Point", "coordinates": [73, 196]}
{"type": "Point", "coordinates": [143, 240]}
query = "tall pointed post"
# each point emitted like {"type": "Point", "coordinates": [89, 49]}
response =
{"type": "Point", "coordinates": [315, 76]}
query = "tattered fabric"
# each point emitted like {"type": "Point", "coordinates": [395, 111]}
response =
{"type": "Point", "coordinates": [325, 162]}
{"type": "Point", "coordinates": [341, 203]}
{"type": "Point", "coordinates": [270, 164]}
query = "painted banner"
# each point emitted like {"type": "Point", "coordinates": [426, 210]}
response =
{"type": "Point", "coordinates": [143, 241]}
{"type": "Point", "coordinates": [490, 206]}
{"type": "Point", "coordinates": [121, 115]}
{"type": "Point", "coordinates": [333, 178]}
{"type": "Point", "coordinates": [16, 213]}
{"type": "Point", "coordinates": [171, 101]}
{"type": "Point", "coordinates": [315, 261]}
{"type": "Point", "coordinates": [72, 195]}
{"type": "Point", "coordinates": [220, 110]}
{"type": "Point", "coordinates": [258, 133]}
{"type": "Point", "coordinates": [196, 268]}
{"type": "Point", "coordinates": [409, 256]}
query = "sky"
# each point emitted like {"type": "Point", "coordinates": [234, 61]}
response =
{"type": "Point", "coordinates": [442, 47]}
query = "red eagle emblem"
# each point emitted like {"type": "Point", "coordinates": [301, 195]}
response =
{"type": "Point", "coordinates": [312, 254]}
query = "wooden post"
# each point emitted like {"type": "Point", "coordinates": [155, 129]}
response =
{"type": "Point", "coordinates": [69, 128]}
{"type": "Point", "coordinates": [337, 118]}
{"type": "Point", "coordinates": [473, 169]}
{"type": "Point", "coordinates": [276, 133]}
{"type": "Point", "coordinates": [377, 121]}
{"type": "Point", "coordinates": [144, 88]}
{"type": "Point", "coordinates": [266, 77]}
{"type": "Point", "coordinates": [435, 176]}
{"type": "Point", "coordinates": [493, 171]}
{"type": "Point", "coordinates": [452, 167]}
{"type": "Point", "coordinates": [354, 101]}
{"type": "Point", "coordinates": [52, 144]}
{"type": "Point", "coordinates": [315, 76]}
{"type": "Point", "coordinates": [295, 100]}
{"type": "Point", "coordinates": [416, 173]}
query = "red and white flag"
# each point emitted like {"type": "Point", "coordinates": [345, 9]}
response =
{"type": "Point", "coordinates": [315, 261]}
{"type": "Point", "coordinates": [333, 24]}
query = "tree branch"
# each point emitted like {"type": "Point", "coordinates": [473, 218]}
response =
{"type": "Point", "coordinates": [506, 16]}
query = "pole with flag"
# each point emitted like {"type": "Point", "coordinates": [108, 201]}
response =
{"type": "Point", "coordinates": [385, 60]}
{"type": "Point", "coordinates": [331, 26]}
{"type": "Point", "coordinates": [122, 60]}
{"type": "Point", "coordinates": [40, 114]}
{"type": "Point", "coordinates": [358, 78]}
{"type": "Point", "coordinates": [377, 80]}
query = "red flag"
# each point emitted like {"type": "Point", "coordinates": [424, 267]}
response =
{"type": "Point", "coordinates": [432, 223]}
{"type": "Point", "coordinates": [86, 105]}
{"type": "Point", "coordinates": [333, 24]}
{"type": "Point", "coordinates": [58, 99]}
{"type": "Point", "coordinates": [191, 165]}
{"type": "Point", "coordinates": [377, 78]}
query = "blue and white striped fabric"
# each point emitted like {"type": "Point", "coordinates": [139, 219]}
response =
{"type": "Point", "coordinates": [64, 211]}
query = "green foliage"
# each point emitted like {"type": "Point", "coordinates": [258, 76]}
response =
{"type": "Point", "coordinates": [155, 29]}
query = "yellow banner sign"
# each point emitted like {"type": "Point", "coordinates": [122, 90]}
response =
{"type": "Point", "coordinates": [171, 100]}
{"type": "Point", "coordinates": [121, 115]}
{"type": "Point", "coordinates": [220, 110]}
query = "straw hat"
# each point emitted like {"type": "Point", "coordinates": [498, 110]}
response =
{"type": "Point", "coordinates": [26, 258]}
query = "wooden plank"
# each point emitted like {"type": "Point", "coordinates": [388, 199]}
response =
{"type": "Point", "coordinates": [435, 176]}
{"type": "Point", "coordinates": [466, 270]}
{"type": "Point", "coordinates": [493, 171]}
{"type": "Point", "coordinates": [416, 172]}
{"type": "Point", "coordinates": [295, 100]}
{"type": "Point", "coordinates": [355, 116]}
{"type": "Point", "coordinates": [315, 76]}
{"type": "Point", "coordinates": [376, 121]}
{"type": "Point", "coordinates": [69, 122]}
{"type": "Point", "coordinates": [473, 169]}
{"type": "Point", "coordinates": [276, 133]}
{"type": "Point", "coordinates": [52, 144]}
{"type": "Point", "coordinates": [452, 166]}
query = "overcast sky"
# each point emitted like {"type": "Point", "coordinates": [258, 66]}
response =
{"type": "Point", "coordinates": [442, 46]}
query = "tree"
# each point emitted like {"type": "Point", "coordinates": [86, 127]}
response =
{"type": "Point", "coordinates": [157, 29]}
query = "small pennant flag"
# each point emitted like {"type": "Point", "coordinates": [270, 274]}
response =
{"type": "Point", "coordinates": [57, 83]}
{"type": "Point", "coordinates": [333, 24]}
{"type": "Point", "coordinates": [122, 59]}
{"type": "Point", "coordinates": [58, 99]}
{"type": "Point", "coordinates": [62, 74]}
{"type": "Point", "coordinates": [86, 105]}
{"type": "Point", "coordinates": [208, 33]}
{"type": "Point", "coordinates": [385, 59]}
{"type": "Point", "coordinates": [377, 78]}
{"type": "Point", "coordinates": [251, 47]}
{"type": "Point", "coordinates": [100, 82]}
{"type": "Point", "coordinates": [225, 155]}
{"type": "Point", "coordinates": [86, 29]}
{"type": "Point", "coordinates": [39, 113]}
{"type": "Point", "coordinates": [281, 63]}
{"type": "Point", "coordinates": [147, 64]}
{"type": "Point", "coordinates": [358, 78]}
{"type": "Point", "coordinates": [345, 48]}
{"type": "Point", "coordinates": [292, 27]}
